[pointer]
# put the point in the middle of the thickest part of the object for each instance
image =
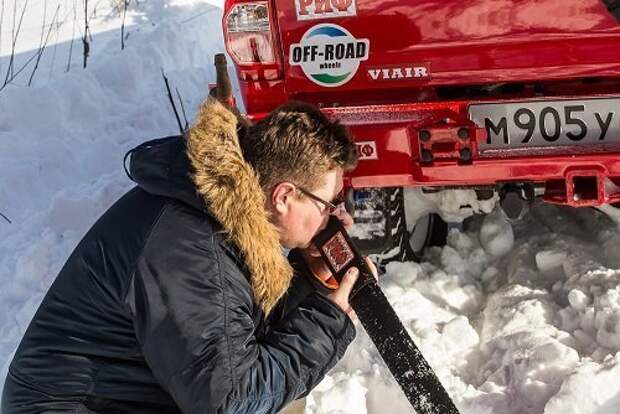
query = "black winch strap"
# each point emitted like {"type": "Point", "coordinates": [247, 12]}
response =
{"type": "Point", "coordinates": [403, 358]}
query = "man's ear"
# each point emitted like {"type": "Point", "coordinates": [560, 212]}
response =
{"type": "Point", "coordinates": [281, 196]}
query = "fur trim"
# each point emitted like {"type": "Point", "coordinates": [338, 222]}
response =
{"type": "Point", "coordinates": [231, 190]}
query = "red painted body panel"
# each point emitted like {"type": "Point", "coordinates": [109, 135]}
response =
{"type": "Point", "coordinates": [464, 43]}
{"type": "Point", "coordinates": [551, 49]}
{"type": "Point", "coordinates": [481, 56]}
{"type": "Point", "coordinates": [394, 129]}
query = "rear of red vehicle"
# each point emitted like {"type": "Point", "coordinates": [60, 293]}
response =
{"type": "Point", "coordinates": [487, 94]}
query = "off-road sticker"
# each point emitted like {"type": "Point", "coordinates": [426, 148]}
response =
{"type": "Point", "coordinates": [367, 150]}
{"type": "Point", "coordinates": [329, 55]}
{"type": "Point", "coordinates": [323, 9]}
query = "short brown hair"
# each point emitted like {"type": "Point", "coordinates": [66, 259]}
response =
{"type": "Point", "coordinates": [296, 142]}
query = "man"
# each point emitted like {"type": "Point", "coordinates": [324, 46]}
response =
{"type": "Point", "coordinates": [178, 299]}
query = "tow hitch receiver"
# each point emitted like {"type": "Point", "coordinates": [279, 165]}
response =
{"type": "Point", "coordinates": [582, 188]}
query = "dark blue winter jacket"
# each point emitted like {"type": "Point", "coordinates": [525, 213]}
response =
{"type": "Point", "coordinates": [161, 307]}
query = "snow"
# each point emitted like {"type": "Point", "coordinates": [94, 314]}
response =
{"type": "Point", "coordinates": [519, 317]}
{"type": "Point", "coordinates": [496, 236]}
{"type": "Point", "coordinates": [62, 141]}
{"type": "Point", "coordinates": [453, 206]}
{"type": "Point", "coordinates": [529, 326]}
{"type": "Point", "coordinates": [589, 390]}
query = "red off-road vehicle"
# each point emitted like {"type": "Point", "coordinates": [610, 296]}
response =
{"type": "Point", "coordinates": [513, 99]}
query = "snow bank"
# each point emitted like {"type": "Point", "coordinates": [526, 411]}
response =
{"type": "Point", "coordinates": [62, 143]}
{"type": "Point", "coordinates": [590, 389]}
{"type": "Point", "coordinates": [514, 319]}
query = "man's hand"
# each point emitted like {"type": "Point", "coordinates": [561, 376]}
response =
{"type": "Point", "coordinates": [340, 296]}
{"type": "Point", "coordinates": [315, 262]}
{"type": "Point", "coordinates": [313, 258]}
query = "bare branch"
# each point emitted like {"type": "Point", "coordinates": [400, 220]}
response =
{"type": "Point", "coordinates": [44, 45]}
{"type": "Point", "coordinates": [182, 109]}
{"type": "Point", "coordinates": [125, 5]}
{"type": "Point", "coordinates": [13, 27]}
{"type": "Point", "coordinates": [85, 41]}
{"type": "Point", "coordinates": [57, 31]}
{"type": "Point", "coordinates": [43, 25]}
{"type": "Point", "coordinates": [36, 55]}
{"type": "Point", "coordinates": [5, 217]}
{"type": "Point", "coordinates": [20, 70]}
{"type": "Point", "coordinates": [72, 35]}
{"type": "Point", "coordinates": [40, 39]}
{"type": "Point", "coordinates": [16, 30]}
{"type": "Point", "coordinates": [1, 21]}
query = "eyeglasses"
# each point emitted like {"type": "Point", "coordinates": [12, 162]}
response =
{"type": "Point", "coordinates": [332, 206]}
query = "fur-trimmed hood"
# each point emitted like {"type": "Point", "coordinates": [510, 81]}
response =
{"type": "Point", "coordinates": [230, 187]}
{"type": "Point", "coordinates": [224, 183]}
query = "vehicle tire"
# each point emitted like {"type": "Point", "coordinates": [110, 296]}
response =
{"type": "Point", "coordinates": [400, 250]}
{"type": "Point", "coordinates": [429, 230]}
{"type": "Point", "coordinates": [399, 244]}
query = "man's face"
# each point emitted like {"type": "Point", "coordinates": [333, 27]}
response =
{"type": "Point", "coordinates": [300, 217]}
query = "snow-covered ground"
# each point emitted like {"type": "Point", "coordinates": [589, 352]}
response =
{"type": "Point", "coordinates": [515, 319]}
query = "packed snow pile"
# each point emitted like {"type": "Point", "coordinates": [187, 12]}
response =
{"type": "Point", "coordinates": [515, 318]}
{"type": "Point", "coordinates": [521, 318]}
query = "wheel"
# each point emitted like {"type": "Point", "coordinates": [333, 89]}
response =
{"type": "Point", "coordinates": [399, 250]}
{"type": "Point", "coordinates": [380, 228]}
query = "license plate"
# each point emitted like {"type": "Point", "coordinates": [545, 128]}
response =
{"type": "Point", "coordinates": [548, 124]}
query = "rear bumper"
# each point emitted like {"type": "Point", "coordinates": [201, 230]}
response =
{"type": "Point", "coordinates": [392, 153]}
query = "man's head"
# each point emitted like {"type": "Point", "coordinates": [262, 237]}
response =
{"type": "Point", "coordinates": [300, 157]}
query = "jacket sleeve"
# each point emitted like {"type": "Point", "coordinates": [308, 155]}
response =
{"type": "Point", "coordinates": [193, 314]}
{"type": "Point", "coordinates": [299, 293]}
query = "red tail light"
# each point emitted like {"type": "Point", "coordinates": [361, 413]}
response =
{"type": "Point", "coordinates": [251, 42]}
